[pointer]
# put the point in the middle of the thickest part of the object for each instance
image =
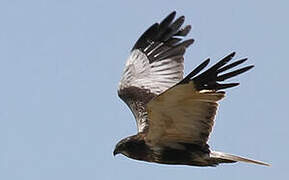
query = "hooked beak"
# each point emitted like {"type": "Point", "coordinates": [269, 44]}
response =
{"type": "Point", "coordinates": [115, 152]}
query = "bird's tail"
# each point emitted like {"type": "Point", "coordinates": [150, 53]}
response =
{"type": "Point", "coordinates": [220, 157]}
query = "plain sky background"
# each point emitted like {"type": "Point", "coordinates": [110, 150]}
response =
{"type": "Point", "coordinates": [60, 63]}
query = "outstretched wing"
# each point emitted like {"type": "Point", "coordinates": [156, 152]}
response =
{"type": "Point", "coordinates": [185, 113]}
{"type": "Point", "coordinates": [155, 64]}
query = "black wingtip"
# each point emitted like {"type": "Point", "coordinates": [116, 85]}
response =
{"type": "Point", "coordinates": [174, 12]}
{"type": "Point", "coordinates": [172, 15]}
{"type": "Point", "coordinates": [184, 31]}
{"type": "Point", "coordinates": [178, 23]}
{"type": "Point", "coordinates": [164, 39]}
{"type": "Point", "coordinates": [207, 61]}
{"type": "Point", "coordinates": [251, 66]}
{"type": "Point", "coordinates": [182, 18]}
{"type": "Point", "coordinates": [233, 73]}
{"type": "Point", "coordinates": [222, 62]}
{"type": "Point", "coordinates": [188, 42]}
{"type": "Point", "coordinates": [230, 56]}
{"type": "Point", "coordinates": [236, 63]}
{"type": "Point", "coordinates": [209, 79]}
{"type": "Point", "coordinates": [168, 20]}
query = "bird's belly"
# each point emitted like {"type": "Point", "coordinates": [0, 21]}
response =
{"type": "Point", "coordinates": [182, 157]}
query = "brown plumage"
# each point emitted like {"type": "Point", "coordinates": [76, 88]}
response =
{"type": "Point", "coordinates": [174, 115]}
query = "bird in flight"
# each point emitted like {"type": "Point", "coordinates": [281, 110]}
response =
{"type": "Point", "coordinates": [174, 114]}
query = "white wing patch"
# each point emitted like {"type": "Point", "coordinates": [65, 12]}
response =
{"type": "Point", "coordinates": [148, 80]}
{"type": "Point", "coordinates": [155, 77]}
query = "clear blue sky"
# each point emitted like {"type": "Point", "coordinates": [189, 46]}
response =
{"type": "Point", "coordinates": [60, 63]}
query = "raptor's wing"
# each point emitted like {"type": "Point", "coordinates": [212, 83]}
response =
{"type": "Point", "coordinates": [154, 65]}
{"type": "Point", "coordinates": [185, 113]}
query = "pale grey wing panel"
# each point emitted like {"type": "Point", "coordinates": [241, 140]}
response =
{"type": "Point", "coordinates": [155, 77]}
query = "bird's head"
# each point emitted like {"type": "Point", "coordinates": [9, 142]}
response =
{"type": "Point", "coordinates": [132, 147]}
{"type": "Point", "coordinates": [122, 147]}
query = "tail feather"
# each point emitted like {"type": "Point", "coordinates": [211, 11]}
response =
{"type": "Point", "coordinates": [223, 157]}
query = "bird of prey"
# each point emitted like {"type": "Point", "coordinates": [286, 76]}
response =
{"type": "Point", "coordinates": [174, 114]}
